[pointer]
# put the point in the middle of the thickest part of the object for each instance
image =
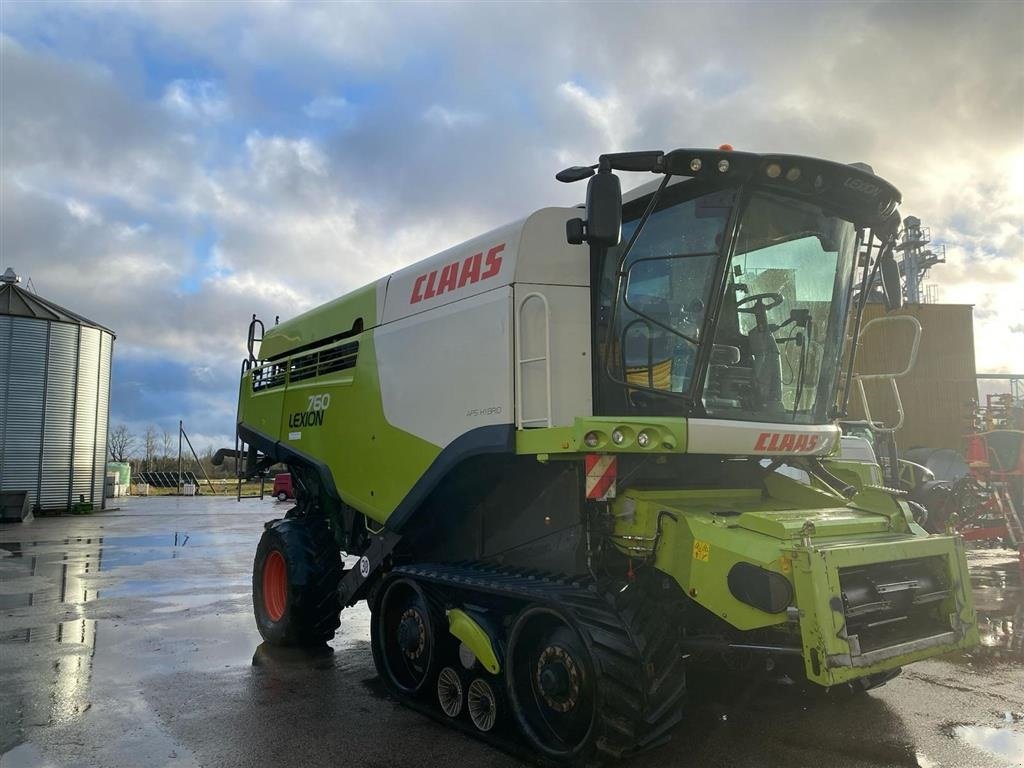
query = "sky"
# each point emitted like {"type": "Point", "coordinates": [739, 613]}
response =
{"type": "Point", "coordinates": [169, 168]}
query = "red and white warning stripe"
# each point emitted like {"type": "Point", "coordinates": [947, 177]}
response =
{"type": "Point", "coordinates": [601, 472]}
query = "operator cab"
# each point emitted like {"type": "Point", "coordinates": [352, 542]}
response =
{"type": "Point", "coordinates": [727, 296]}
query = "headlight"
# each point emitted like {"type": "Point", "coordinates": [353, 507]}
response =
{"type": "Point", "coordinates": [592, 439]}
{"type": "Point", "coordinates": [643, 439]}
{"type": "Point", "coordinates": [618, 437]}
{"type": "Point", "coordinates": [773, 171]}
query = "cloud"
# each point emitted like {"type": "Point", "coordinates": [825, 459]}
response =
{"type": "Point", "coordinates": [83, 212]}
{"type": "Point", "coordinates": [327, 108]}
{"type": "Point", "coordinates": [196, 100]}
{"type": "Point", "coordinates": [609, 116]}
{"type": "Point", "coordinates": [168, 169]}
{"type": "Point", "coordinates": [451, 118]}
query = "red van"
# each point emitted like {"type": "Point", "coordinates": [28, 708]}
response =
{"type": "Point", "coordinates": [283, 486]}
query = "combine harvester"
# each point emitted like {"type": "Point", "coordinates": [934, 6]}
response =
{"type": "Point", "coordinates": [573, 456]}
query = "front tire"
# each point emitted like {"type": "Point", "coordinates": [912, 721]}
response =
{"type": "Point", "coordinates": [295, 583]}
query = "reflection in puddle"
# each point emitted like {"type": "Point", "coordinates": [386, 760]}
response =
{"type": "Point", "coordinates": [66, 680]}
{"type": "Point", "coordinates": [999, 600]}
{"type": "Point", "coordinates": [277, 657]}
{"type": "Point", "coordinates": [48, 588]}
{"type": "Point", "coordinates": [995, 741]}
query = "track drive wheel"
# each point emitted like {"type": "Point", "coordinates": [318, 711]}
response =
{"type": "Point", "coordinates": [552, 684]}
{"type": "Point", "coordinates": [585, 693]}
{"type": "Point", "coordinates": [295, 582]}
{"type": "Point", "coordinates": [404, 637]}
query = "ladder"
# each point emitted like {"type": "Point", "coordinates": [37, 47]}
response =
{"type": "Point", "coordinates": [542, 361]}
{"type": "Point", "coordinates": [1014, 528]}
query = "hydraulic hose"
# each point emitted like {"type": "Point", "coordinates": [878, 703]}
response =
{"type": "Point", "coordinates": [816, 468]}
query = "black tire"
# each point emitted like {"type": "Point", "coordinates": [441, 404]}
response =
{"type": "Point", "coordinates": [637, 682]}
{"type": "Point", "coordinates": [295, 583]}
{"type": "Point", "coordinates": [282, 496]}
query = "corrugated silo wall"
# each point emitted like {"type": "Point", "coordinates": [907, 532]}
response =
{"type": "Point", "coordinates": [937, 392]}
{"type": "Point", "coordinates": [54, 401]}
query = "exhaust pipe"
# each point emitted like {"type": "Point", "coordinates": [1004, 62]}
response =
{"type": "Point", "coordinates": [224, 453]}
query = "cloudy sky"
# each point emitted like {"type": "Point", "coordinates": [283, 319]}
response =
{"type": "Point", "coordinates": [170, 168]}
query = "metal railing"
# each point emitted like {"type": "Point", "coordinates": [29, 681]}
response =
{"type": "Point", "coordinates": [860, 378]}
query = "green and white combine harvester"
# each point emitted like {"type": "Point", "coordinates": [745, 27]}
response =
{"type": "Point", "coordinates": [573, 457]}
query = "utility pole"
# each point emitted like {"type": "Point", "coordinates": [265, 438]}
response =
{"type": "Point", "coordinates": [181, 427]}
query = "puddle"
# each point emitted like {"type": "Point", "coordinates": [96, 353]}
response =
{"type": "Point", "coordinates": [999, 601]}
{"type": "Point", "coordinates": [74, 632]}
{"type": "Point", "coordinates": [67, 570]}
{"type": "Point", "coordinates": [24, 756]}
{"type": "Point", "coordinates": [175, 603]}
{"type": "Point", "coordinates": [996, 741]}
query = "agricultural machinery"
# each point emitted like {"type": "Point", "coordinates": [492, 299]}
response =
{"type": "Point", "coordinates": [572, 458]}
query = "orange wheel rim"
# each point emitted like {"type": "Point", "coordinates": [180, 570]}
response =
{"type": "Point", "coordinates": [275, 585]}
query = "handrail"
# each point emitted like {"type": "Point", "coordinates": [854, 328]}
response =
{"type": "Point", "coordinates": [521, 362]}
{"type": "Point", "coordinates": [891, 377]}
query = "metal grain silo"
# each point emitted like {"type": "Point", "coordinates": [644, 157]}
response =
{"type": "Point", "coordinates": [54, 398]}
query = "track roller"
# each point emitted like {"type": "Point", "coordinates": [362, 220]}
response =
{"type": "Point", "coordinates": [449, 692]}
{"type": "Point", "coordinates": [482, 703]}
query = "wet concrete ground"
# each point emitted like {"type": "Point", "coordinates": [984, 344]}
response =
{"type": "Point", "coordinates": [127, 639]}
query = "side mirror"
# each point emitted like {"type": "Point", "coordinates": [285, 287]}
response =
{"type": "Point", "coordinates": [891, 284]}
{"type": "Point", "coordinates": [604, 213]}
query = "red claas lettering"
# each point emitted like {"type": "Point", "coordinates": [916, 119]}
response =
{"type": "Point", "coordinates": [493, 261]}
{"type": "Point", "coordinates": [470, 270]}
{"type": "Point", "coordinates": [457, 274]}
{"type": "Point", "coordinates": [785, 442]}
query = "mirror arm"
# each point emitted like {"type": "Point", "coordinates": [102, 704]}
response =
{"type": "Point", "coordinates": [652, 161]}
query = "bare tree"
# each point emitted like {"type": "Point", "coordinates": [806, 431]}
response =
{"type": "Point", "coordinates": [149, 447]}
{"type": "Point", "coordinates": [120, 443]}
{"type": "Point", "coordinates": [166, 449]}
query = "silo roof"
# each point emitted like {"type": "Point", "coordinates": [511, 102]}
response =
{"type": "Point", "coordinates": [17, 302]}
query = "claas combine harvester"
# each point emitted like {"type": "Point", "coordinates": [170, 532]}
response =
{"type": "Point", "coordinates": [573, 457]}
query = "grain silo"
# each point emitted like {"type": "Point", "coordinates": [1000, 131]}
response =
{"type": "Point", "coordinates": [54, 397]}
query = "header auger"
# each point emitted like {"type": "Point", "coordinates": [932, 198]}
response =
{"type": "Point", "coordinates": [572, 456]}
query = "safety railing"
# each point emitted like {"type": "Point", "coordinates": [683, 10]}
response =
{"type": "Point", "coordinates": [860, 378]}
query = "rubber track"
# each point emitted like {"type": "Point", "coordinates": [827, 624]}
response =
{"type": "Point", "coordinates": [640, 669]}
